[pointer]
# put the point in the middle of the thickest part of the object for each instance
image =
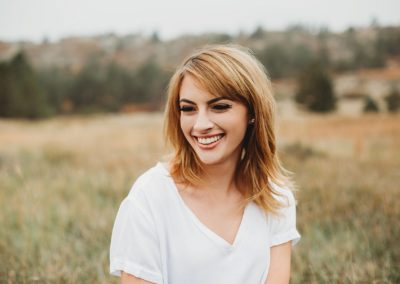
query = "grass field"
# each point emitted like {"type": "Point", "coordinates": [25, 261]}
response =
{"type": "Point", "coordinates": [61, 182]}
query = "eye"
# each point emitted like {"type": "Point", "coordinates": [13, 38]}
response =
{"type": "Point", "coordinates": [221, 107]}
{"type": "Point", "coordinates": [186, 108]}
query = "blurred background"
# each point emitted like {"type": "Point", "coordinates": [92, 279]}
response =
{"type": "Point", "coordinates": [82, 91]}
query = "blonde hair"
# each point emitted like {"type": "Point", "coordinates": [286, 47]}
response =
{"type": "Point", "coordinates": [231, 71]}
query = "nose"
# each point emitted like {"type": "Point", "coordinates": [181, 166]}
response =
{"type": "Point", "coordinates": [203, 122]}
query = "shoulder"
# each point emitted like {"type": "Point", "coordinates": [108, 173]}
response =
{"type": "Point", "coordinates": [282, 225]}
{"type": "Point", "coordinates": [283, 194]}
{"type": "Point", "coordinates": [151, 184]}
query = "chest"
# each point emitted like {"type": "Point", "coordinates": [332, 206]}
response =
{"type": "Point", "coordinates": [200, 243]}
{"type": "Point", "coordinates": [223, 218]}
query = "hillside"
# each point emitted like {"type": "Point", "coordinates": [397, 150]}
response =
{"type": "Point", "coordinates": [132, 50]}
{"type": "Point", "coordinates": [363, 63]}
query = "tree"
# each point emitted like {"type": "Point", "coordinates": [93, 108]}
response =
{"type": "Point", "coordinates": [370, 105]}
{"type": "Point", "coordinates": [315, 90]}
{"type": "Point", "coordinates": [393, 100]}
{"type": "Point", "coordinates": [99, 88]}
{"type": "Point", "coordinates": [20, 92]}
{"type": "Point", "coordinates": [56, 83]}
{"type": "Point", "coordinates": [275, 58]}
{"type": "Point", "coordinates": [282, 60]}
{"type": "Point", "coordinates": [258, 33]}
{"type": "Point", "coordinates": [155, 38]}
{"type": "Point", "coordinates": [388, 41]}
{"type": "Point", "coordinates": [150, 82]}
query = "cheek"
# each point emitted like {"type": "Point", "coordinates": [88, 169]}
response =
{"type": "Point", "coordinates": [237, 124]}
{"type": "Point", "coordinates": [238, 127]}
{"type": "Point", "coordinates": [185, 125]}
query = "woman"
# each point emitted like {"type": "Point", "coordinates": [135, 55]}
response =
{"type": "Point", "coordinates": [220, 210]}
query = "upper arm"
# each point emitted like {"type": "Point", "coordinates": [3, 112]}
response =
{"type": "Point", "coordinates": [279, 268]}
{"type": "Point", "coordinates": [135, 245]}
{"type": "Point", "coordinates": [283, 224]}
{"type": "Point", "coordinates": [130, 279]}
{"type": "Point", "coordinates": [283, 235]}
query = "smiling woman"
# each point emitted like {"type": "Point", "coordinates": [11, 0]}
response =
{"type": "Point", "coordinates": [221, 210]}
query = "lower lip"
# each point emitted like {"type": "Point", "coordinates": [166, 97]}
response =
{"type": "Point", "coordinates": [209, 146]}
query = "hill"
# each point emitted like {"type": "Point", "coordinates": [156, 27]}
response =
{"type": "Point", "coordinates": [364, 63]}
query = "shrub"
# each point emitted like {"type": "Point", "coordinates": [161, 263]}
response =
{"type": "Point", "coordinates": [370, 105]}
{"type": "Point", "coordinates": [393, 100]}
{"type": "Point", "coordinates": [315, 89]}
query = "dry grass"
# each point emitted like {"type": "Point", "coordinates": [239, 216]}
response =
{"type": "Point", "coordinates": [61, 182]}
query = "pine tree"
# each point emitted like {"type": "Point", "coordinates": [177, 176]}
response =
{"type": "Point", "coordinates": [370, 105]}
{"type": "Point", "coordinates": [393, 100]}
{"type": "Point", "coordinates": [20, 92]}
{"type": "Point", "coordinates": [315, 89]}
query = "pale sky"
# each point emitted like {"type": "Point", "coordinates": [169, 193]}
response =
{"type": "Point", "coordinates": [54, 19]}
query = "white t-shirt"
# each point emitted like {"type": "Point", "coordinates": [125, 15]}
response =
{"type": "Point", "coordinates": [157, 237]}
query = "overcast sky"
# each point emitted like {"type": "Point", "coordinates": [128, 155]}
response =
{"type": "Point", "coordinates": [54, 19]}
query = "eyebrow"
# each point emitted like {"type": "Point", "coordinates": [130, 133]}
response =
{"type": "Point", "coordinates": [208, 102]}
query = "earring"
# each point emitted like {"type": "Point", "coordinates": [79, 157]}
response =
{"type": "Point", "coordinates": [251, 121]}
{"type": "Point", "coordinates": [243, 153]}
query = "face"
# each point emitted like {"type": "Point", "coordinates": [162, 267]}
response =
{"type": "Point", "coordinates": [214, 126]}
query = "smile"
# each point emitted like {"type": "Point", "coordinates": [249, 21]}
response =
{"type": "Point", "coordinates": [209, 140]}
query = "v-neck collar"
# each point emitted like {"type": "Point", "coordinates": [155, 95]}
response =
{"type": "Point", "coordinates": [207, 231]}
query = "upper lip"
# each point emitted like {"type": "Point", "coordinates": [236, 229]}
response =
{"type": "Point", "coordinates": [208, 136]}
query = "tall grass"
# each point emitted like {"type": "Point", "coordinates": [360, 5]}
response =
{"type": "Point", "coordinates": [61, 182]}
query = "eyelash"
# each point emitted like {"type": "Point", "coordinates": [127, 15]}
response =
{"type": "Point", "coordinates": [186, 108]}
{"type": "Point", "coordinates": [221, 107]}
{"type": "Point", "coordinates": [217, 107]}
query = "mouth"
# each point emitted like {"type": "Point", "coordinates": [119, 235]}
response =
{"type": "Point", "coordinates": [210, 140]}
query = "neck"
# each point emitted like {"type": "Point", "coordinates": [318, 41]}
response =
{"type": "Point", "coordinates": [219, 180]}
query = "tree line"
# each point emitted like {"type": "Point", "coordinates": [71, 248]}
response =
{"type": "Point", "coordinates": [107, 87]}
{"type": "Point", "coordinates": [97, 87]}
{"type": "Point", "coordinates": [287, 57]}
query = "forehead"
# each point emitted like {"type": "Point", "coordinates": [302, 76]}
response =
{"type": "Point", "coordinates": [193, 90]}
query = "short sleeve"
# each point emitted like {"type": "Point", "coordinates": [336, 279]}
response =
{"type": "Point", "coordinates": [283, 224]}
{"type": "Point", "coordinates": [134, 243]}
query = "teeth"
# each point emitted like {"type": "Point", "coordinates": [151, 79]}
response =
{"type": "Point", "coordinates": [209, 140]}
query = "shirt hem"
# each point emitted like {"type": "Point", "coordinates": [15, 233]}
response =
{"type": "Point", "coordinates": [292, 235]}
{"type": "Point", "coordinates": [117, 266]}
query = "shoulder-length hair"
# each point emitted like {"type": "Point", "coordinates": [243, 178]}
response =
{"type": "Point", "coordinates": [231, 71]}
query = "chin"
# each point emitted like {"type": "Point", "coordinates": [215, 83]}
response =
{"type": "Point", "coordinates": [207, 160]}
{"type": "Point", "coordinates": [211, 161]}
